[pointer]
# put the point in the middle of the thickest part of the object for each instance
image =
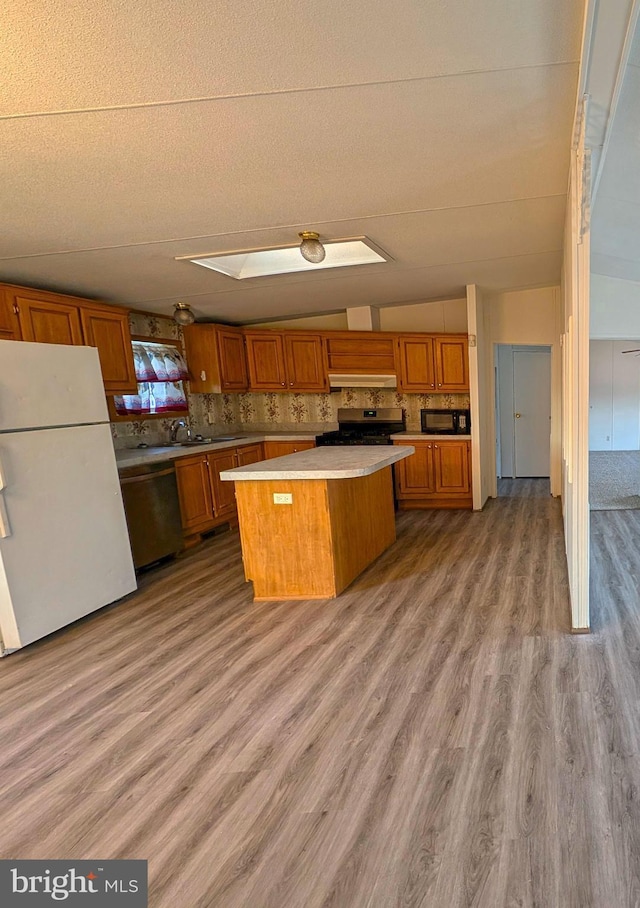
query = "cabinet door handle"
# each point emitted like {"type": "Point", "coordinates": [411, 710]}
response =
{"type": "Point", "coordinates": [283, 383]}
{"type": "Point", "coordinates": [291, 384]}
{"type": "Point", "coordinates": [436, 447]}
{"type": "Point", "coordinates": [439, 384]}
{"type": "Point", "coordinates": [203, 376]}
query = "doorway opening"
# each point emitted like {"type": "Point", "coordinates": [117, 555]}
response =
{"type": "Point", "coordinates": [523, 416]}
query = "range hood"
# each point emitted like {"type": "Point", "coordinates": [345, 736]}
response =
{"type": "Point", "coordinates": [344, 380]}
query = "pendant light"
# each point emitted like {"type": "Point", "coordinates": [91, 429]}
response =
{"type": "Point", "coordinates": [183, 315]}
{"type": "Point", "coordinates": [311, 248]}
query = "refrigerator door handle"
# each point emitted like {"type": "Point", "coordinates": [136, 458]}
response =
{"type": "Point", "coordinates": [5, 527]}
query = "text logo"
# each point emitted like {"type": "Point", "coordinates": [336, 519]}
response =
{"type": "Point", "coordinates": [79, 884]}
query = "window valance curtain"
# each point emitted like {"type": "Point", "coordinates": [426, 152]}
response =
{"type": "Point", "coordinates": [153, 397]}
{"type": "Point", "coordinates": [158, 362]}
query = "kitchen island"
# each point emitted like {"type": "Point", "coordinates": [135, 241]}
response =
{"type": "Point", "coordinates": [311, 522]}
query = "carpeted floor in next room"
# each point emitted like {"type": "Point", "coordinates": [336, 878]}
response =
{"type": "Point", "coordinates": [614, 480]}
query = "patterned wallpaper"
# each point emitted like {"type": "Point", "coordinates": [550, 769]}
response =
{"type": "Point", "coordinates": [209, 413]}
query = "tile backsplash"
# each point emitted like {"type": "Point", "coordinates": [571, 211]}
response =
{"type": "Point", "coordinates": [212, 414]}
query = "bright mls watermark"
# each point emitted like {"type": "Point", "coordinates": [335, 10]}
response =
{"type": "Point", "coordinates": [79, 884]}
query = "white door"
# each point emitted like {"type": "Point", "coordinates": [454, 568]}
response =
{"type": "Point", "coordinates": [64, 545]}
{"type": "Point", "coordinates": [532, 412]}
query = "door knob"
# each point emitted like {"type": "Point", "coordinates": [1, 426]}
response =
{"type": "Point", "coordinates": [517, 415]}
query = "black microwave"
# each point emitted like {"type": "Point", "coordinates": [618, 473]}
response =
{"type": "Point", "coordinates": [446, 422]}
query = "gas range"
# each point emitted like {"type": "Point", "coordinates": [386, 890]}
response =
{"type": "Point", "coordinates": [365, 427]}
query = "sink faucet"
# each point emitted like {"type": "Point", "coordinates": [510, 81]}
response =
{"type": "Point", "coordinates": [175, 425]}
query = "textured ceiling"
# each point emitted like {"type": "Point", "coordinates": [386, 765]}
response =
{"type": "Point", "coordinates": [134, 133]}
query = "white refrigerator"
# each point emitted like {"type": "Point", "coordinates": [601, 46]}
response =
{"type": "Point", "coordinates": [64, 545]}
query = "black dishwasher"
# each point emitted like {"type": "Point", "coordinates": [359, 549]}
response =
{"type": "Point", "coordinates": [150, 496]}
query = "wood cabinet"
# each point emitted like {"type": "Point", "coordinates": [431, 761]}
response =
{"type": "Point", "coordinates": [53, 318]}
{"type": "Point", "coordinates": [9, 324]}
{"type": "Point", "coordinates": [107, 329]}
{"type": "Point", "coordinates": [223, 493]}
{"type": "Point", "coordinates": [265, 361]}
{"type": "Point", "coordinates": [206, 501]}
{"type": "Point", "coordinates": [216, 359]}
{"type": "Point", "coordinates": [306, 360]}
{"type": "Point", "coordinates": [438, 475]}
{"type": "Point", "coordinates": [293, 361]}
{"type": "Point", "coordinates": [250, 454]}
{"type": "Point", "coordinates": [47, 321]}
{"type": "Point", "coordinates": [452, 363]}
{"type": "Point", "coordinates": [280, 448]}
{"type": "Point", "coordinates": [436, 363]}
{"type": "Point", "coordinates": [194, 492]}
{"type": "Point", "coordinates": [361, 352]}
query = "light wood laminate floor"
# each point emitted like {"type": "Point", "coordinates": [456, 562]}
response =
{"type": "Point", "coordinates": [434, 737]}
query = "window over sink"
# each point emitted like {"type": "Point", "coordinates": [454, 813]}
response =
{"type": "Point", "coordinates": [160, 372]}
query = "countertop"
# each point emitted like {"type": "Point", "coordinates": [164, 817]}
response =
{"type": "Point", "coordinates": [323, 463]}
{"type": "Point", "coordinates": [136, 457]}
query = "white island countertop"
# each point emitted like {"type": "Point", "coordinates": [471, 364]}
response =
{"type": "Point", "coordinates": [323, 463]}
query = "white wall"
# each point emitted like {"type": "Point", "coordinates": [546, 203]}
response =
{"type": "Point", "coordinates": [575, 388]}
{"type": "Point", "coordinates": [481, 399]}
{"type": "Point", "coordinates": [332, 321]}
{"type": "Point", "coordinates": [446, 316]}
{"type": "Point", "coordinates": [614, 396]}
{"type": "Point", "coordinates": [614, 308]}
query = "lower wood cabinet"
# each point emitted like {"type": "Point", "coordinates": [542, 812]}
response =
{"type": "Point", "coordinates": [206, 501]}
{"type": "Point", "coordinates": [438, 475]}
{"type": "Point", "coordinates": [280, 448]}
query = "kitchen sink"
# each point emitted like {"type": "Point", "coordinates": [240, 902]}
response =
{"type": "Point", "coordinates": [200, 441]}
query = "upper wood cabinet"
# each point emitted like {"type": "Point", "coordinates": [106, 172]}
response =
{"type": "Point", "coordinates": [361, 352]}
{"type": "Point", "coordinates": [292, 361]}
{"type": "Point", "coordinates": [436, 363]}
{"type": "Point", "coordinates": [216, 358]}
{"type": "Point", "coordinates": [53, 318]}
{"type": "Point", "coordinates": [452, 362]}
{"type": "Point", "coordinates": [107, 329]}
{"type": "Point", "coordinates": [265, 361]}
{"type": "Point", "coordinates": [306, 360]}
{"type": "Point", "coordinates": [47, 320]}
{"type": "Point", "coordinates": [9, 324]}
{"type": "Point", "coordinates": [416, 363]}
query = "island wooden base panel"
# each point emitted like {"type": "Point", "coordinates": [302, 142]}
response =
{"type": "Point", "coordinates": [316, 546]}
{"type": "Point", "coordinates": [433, 738]}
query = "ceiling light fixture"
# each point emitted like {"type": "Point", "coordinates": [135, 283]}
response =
{"type": "Point", "coordinates": [182, 314]}
{"type": "Point", "coordinates": [311, 248]}
{"type": "Point", "coordinates": [272, 260]}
